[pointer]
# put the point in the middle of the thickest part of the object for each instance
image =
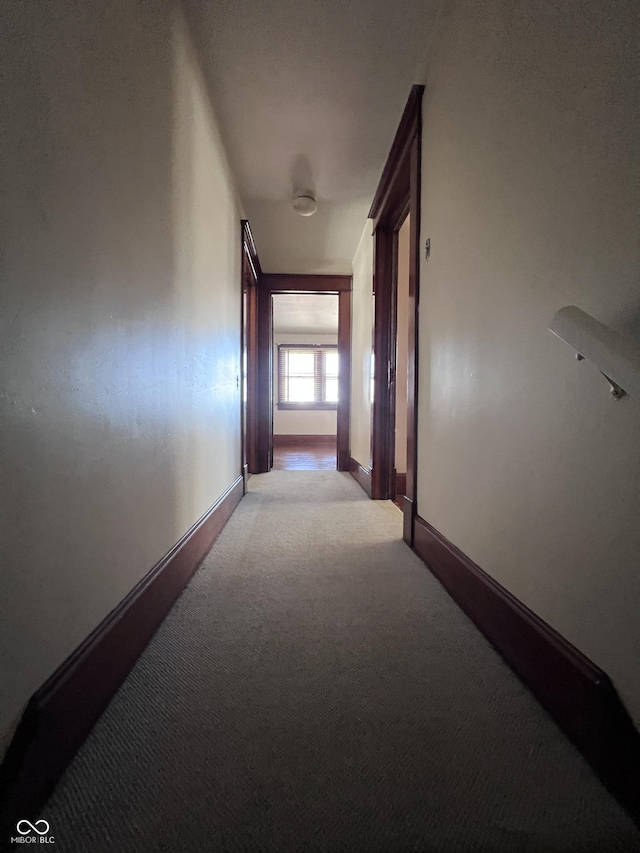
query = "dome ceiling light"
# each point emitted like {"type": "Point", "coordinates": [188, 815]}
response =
{"type": "Point", "coordinates": [305, 204]}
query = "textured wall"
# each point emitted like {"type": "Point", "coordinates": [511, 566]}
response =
{"type": "Point", "coordinates": [362, 348]}
{"type": "Point", "coordinates": [119, 320]}
{"type": "Point", "coordinates": [530, 198]}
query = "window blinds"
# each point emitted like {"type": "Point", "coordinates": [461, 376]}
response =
{"type": "Point", "coordinates": [307, 375]}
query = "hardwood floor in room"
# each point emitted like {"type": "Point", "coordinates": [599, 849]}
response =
{"type": "Point", "coordinates": [310, 457]}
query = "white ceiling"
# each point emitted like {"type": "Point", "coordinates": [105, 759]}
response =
{"type": "Point", "coordinates": [305, 313]}
{"type": "Point", "coordinates": [309, 94]}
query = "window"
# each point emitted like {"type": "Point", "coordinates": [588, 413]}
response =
{"type": "Point", "coordinates": [307, 376]}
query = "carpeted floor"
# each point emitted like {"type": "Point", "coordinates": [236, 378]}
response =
{"type": "Point", "coordinates": [315, 689]}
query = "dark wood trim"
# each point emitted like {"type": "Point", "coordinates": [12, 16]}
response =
{"type": "Point", "coordinates": [252, 252]}
{"type": "Point", "coordinates": [409, 514]}
{"type": "Point", "coordinates": [401, 484]}
{"type": "Point", "coordinates": [249, 406]}
{"type": "Point", "coordinates": [413, 354]}
{"type": "Point", "coordinates": [383, 408]}
{"type": "Point", "coordinates": [60, 715]}
{"type": "Point", "coordinates": [578, 694]}
{"type": "Point", "coordinates": [303, 440]}
{"type": "Point", "coordinates": [252, 381]}
{"type": "Point", "coordinates": [407, 129]}
{"type": "Point", "coordinates": [264, 374]}
{"type": "Point", "coordinates": [245, 278]}
{"type": "Point", "coordinates": [344, 382]}
{"type": "Point", "coordinates": [361, 473]}
{"type": "Point", "coordinates": [293, 283]}
{"type": "Point", "coordinates": [398, 194]}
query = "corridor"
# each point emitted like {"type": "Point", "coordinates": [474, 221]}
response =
{"type": "Point", "coordinates": [314, 688]}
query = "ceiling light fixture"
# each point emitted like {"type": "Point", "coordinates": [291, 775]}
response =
{"type": "Point", "coordinates": [305, 204]}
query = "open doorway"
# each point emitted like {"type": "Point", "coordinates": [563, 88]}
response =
{"type": "Point", "coordinates": [272, 285]}
{"type": "Point", "coordinates": [305, 380]}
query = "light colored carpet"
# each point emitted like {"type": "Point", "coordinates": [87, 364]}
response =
{"type": "Point", "coordinates": [316, 689]}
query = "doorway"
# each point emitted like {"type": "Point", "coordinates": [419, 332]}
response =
{"type": "Point", "coordinates": [306, 369]}
{"type": "Point", "coordinates": [271, 285]}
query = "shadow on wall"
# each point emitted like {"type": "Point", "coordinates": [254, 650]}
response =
{"type": "Point", "coordinates": [302, 179]}
{"type": "Point", "coordinates": [120, 403]}
{"type": "Point", "coordinates": [628, 322]}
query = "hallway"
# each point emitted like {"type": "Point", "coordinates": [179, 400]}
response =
{"type": "Point", "coordinates": [315, 688]}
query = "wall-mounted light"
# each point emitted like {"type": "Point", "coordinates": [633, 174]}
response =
{"type": "Point", "coordinates": [304, 204]}
{"type": "Point", "coordinates": [616, 357]}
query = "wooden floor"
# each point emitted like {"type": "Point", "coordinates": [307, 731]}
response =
{"type": "Point", "coordinates": [310, 457]}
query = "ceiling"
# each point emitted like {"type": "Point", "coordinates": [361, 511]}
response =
{"type": "Point", "coordinates": [309, 94]}
{"type": "Point", "coordinates": [305, 313]}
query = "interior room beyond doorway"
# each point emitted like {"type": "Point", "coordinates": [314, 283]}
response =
{"type": "Point", "coordinates": [305, 381]}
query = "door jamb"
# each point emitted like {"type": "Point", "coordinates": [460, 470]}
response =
{"type": "Point", "coordinates": [249, 348]}
{"type": "Point", "coordinates": [268, 284]}
{"type": "Point", "coordinates": [398, 193]}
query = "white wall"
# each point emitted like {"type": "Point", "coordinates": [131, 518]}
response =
{"type": "Point", "coordinates": [362, 348]}
{"type": "Point", "coordinates": [301, 422]}
{"type": "Point", "coordinates": [119, 320]}
{"type": "Point", "coordinates": [530, 199]}
{"type": "Point", "coordinates": [402, 347]}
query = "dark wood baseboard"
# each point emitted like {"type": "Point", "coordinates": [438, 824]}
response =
{"type": "Point", "coordinates": [578, 694]}
{"type": "Point", "coordinates": [62, 712]}
{"type": "Point", "coordinates": [303, 440]}
{"type": "Point", "coordinates": [362, 474]}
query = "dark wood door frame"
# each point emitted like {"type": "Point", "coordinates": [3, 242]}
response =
{"type": "Point", "coordinates": [264, 378]}
{"type": "Point", "coordinates": [249, 347]}
{"type": "Point", "coordinates": [398, 194]}
{"type": "Point", "coordinates": [268, 284]}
